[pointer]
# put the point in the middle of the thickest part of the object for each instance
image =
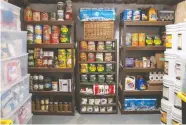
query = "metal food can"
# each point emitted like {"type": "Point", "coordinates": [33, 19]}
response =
{"type": "Point", "coordinates": [28, 14]}
{"type": "Point", "coordinates": [128, 39]}
{"type": "Point", "coordinates": [60, 15]}
{"type": "Point", "coordinates": [30, 29]}
{"type": "Point", "coordinates": [64, 39]}
{"type": "Point", "coordinates": [44, 16]}
{"type": "Point", "coordinates": [60, 6]}
{"type": "Point", "coordinates": [52, 16]}
{"type": "Point", "coordinates": [55, 38]}
{"type": "Point", "coordinates": [135, 39]}
{"type": "Point", "coordinates": [142, 39]}
{"type": "Point", "coordinates": [30, 39]}
{"type": "Point", "coordinates": [46, 38]}
{"type": "Point", "coordinates": [46, 29]}
{"type": "Point", "coordinates": [38, 39]}
{"type": "Point", "coordinates": [36, 16]}
{"type": "Point", "coordinates": [55, 29]}
{"type": "Point", "coordinates": [38, 29]}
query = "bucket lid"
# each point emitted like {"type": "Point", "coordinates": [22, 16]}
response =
{"type": "Point", "coordinates": [168, 82]}
{"type": "Point", "coordinates": [177, 114]}
{"type": "Point", "coordinates": [166, 105]}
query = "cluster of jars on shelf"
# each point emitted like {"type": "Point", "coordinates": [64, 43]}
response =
{"type": "Point", "coordinates": [46, 34]}
{"type": "Point", "coordinates": [50, 105]}
{"type": "Point", "coordinates": [39, 58]}
{"type": "Point", "coordinates": [64, 12]}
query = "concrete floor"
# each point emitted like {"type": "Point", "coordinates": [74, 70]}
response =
{"type": "Point", "coordinates": [97, 119]}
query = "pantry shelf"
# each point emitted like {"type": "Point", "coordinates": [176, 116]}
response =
{"type": "Point", "coordinates": [91, 95]}
{"type": "Point", "coordinates": [65, 22]}
{"type": "Point", "coordinates": [53, 46]}
{"type": "Point", "coordinates": [141, 112]}
{"type": "Point", "coordinates": [147, 23]}
{"type": "Point", "coordinates": [113, 112]}
{"type": "Point", "coordinates": [147, 48]}
{"type": "Point", "coordinates": [114, 104]}
{"type": "Point", "coordinates": [101, 73]}
{"type": "Point", "coordinates": [100, 62]}
{"type": "Point", "coordinates": [145, 92]}
{"type": "Point", "coordinates": [52, 113]}
{"type": "Point", "coordinates": [142, 69]}
{"type": "Point", "coordinates": [93, 83]}
{"type": "Point", "coordinates": [51, 93]}
{"type": "Point", "coordinates": [99, 51]}
{"type": "Point", "coordinates": [65, 70]}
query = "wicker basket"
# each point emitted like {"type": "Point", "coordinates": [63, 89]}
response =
{"type": "Point", "coordinates": [98, 30]}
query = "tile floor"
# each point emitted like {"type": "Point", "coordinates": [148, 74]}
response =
{"type": "Point", "coordinates": [97, 119]}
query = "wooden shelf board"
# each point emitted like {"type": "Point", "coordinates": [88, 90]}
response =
{"type": "Point", "coordinates": [113, 112]}
{"type": "Point", "coordinates": [145, 92]}
{"type": "Point", "coordinates": [142, 69]}
{"type": "Point", "coordinates": [113, 104]}
{"type": "Point", "coordinates": [65, 70]}
{"type": "Point", "coordinates": [141, 112]}
{"type": "Point", "coordinates": [93, 83]}
{"type": "Point", "coordinates": [65, 22]}
{"type": "Point", "coordinates": [54, 46]}
{"type": "Point", "coordinates": [99, 40]}
{"type": "Point", "coordinates": [51, 93]}
{"type": "Point", "coordinates": [104, 73]}
{"type": "Point", "coordinates": [147, 23]}
{"type": "Point", "coordinates": [98, 51]}
{"type": "Point", "coordinates": [52, 113]}
{"type": "Point", "coordinates": [98, 62]}
{"type": "Point", "coordinates": [147, 48]}
{"type": "Point", "coordinates": [91, 95]}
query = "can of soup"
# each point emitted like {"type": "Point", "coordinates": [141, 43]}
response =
{"type": "Point", "coordinates": [38, 39]}
{"type": "Point", "coordinates": [55, 38]}
{"type": "Point", "coordinates": [44, 16]}
{"type": "Point", "coordinates": [38, 29]}
{"type": "Point", "coordinates": [30, 29]}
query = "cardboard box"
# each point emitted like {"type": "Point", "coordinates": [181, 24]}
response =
{"type": "Point", "coordinates": [180, 13]}
{"type": "Point", "coordinates": [155, 85]}
{"type": "Point", "coordinates": [159, 60]}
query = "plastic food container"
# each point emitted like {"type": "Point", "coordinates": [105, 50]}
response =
{"type": "Point", "coordinates": [165, 112]}
{"type": "Point", "coordinates": [12, 69]}
{"type": "Point", "coordinates": [181, 35]}
{"type": "Point", "coordinates": [168, 93]}
{"type": "Point", "coordinates": [10, 16]}
{"type": "Point", "coordinates": [176, 116]}
{"type": "Point", "coordinates": [177, 100]}
{"type": "Point", "coordinates": [13, 43]}
{"type": "Point", "coordinates": [14, 96]}
{"type": "Point", "coordinates": [22, 113]}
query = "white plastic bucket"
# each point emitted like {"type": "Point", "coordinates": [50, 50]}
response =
{"type": "Point", "coordinates": [171, 38]}
{"type": "Point", "coordinates": [176, 116]}
{"type": "Point", "coordinates": [169, 72]}
{"type": "Point", "coordinates": [177, 100]}
{"type": "Point", "coordinates": [168, 93]}
{"type": "Point", "coordinates": [181, 35]}
{"type": "Point", "coordinates": [165, 112]}
{"type": "Point", "coordinates": [180, 70]}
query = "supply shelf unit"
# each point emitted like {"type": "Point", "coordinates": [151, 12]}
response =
{"type": "Point", "coordinates": [129, 51]}
{"type": "Point", "coordinates": [14, 93]}
{"type": "Point", "coordinates": [55, 72]}
{"type": "Point", "coordinates": [81, 84]}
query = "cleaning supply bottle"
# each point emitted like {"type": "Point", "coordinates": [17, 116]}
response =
{"type": "Point", "coordinates": [141, 83]}
{"type": "Point", "coordinates": [152, 14]}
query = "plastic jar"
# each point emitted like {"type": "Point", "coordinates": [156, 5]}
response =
{"type": "Point", "coordinates": [51, 107]}
{"type": "Point", "coordinates": [65, 107]}
{"type": "Point", "coordinates": [56, 107]}
{"type": "Point", "coordinates": [60, 106]}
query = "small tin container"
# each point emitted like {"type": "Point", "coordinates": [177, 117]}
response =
{"type": "Point", "coordinates": [38, 29]}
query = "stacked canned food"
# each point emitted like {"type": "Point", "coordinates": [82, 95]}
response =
{"type": "Point", "coordinates": [39, 58]}
{"type": "Point", "coordinates": [63, 10]}
{"type": "Point", "coordinates": [47, 34]}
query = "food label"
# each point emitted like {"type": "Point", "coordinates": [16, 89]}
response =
{"type": "Point", "coordinates": [168, 42]}
{"type": "Point", "coordinates": [179, 41]}
{"type": "Point", "coordinates": [164, 117]}
{"type": "Point", "coordinates": [165, 93]}
{"type": "Point", "coordinates": [175, 122]}
{"type": "Point", "coordinates": [166, 68]}
{"type": "Point", "coordinates": [178, 71]}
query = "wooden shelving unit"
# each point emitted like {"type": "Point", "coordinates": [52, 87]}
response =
{"type": "Point", "coordinates": [125, 51]}
{"type": "Point", "coordinates": [90, 84]}
{"type": "Point", "coordinates": [55, 72]}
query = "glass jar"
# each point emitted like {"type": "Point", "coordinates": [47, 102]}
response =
{"type": "Point", "coordinates": [46, 107]}
{"type": "Point", "coordinates": [65, 107]}
{"type": "Point", "coordinates": [38, 107]}
{"type": "Point", "coordinates": [69, 106]}
{"type": "Point", "coordinates": [41, 86]}
{"type": "Point", "coordinates": [42, 101]}
{"type": "Point", "coordinates": [51, 108]}
{"type": "Point", "coordinates": [47, 84]}
{"type": "Point", "coordinates": [46, 101]}
{"type": "Point", "coordinates": [60, 106]}
{"type": "Point", "coordinates": [42, 107]}
{"type": "Point", "coordinates": [54, 86]}
{"type": "Point", "coordinates": [60, 6]}
{"type": "Point", "coordinates": [33, 106]}
{"type": "Point", "coordinates": [60, 15]}
{"type": "Point", "coordinates": [56, 107]}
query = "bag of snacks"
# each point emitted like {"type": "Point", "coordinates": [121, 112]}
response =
{"type": "Point", "coordinates": [91, 46]}
{"type": "Point", "coordinates": [84, 68]}
{"type": "Point", "coordinates": [108, 56]}
{"type": "Point", "coordinates": [101, 78]}
{"type": "Point", "coordinates": [91, 57]}
{"type": "Point", "coordinates": [108, 67]}
{"type": "Point", "coordinates": [92, 67]}
{"type": "Point", "coordinates": [99, 56]}
{"type": "Point", "coordinates": [83, 57]}
{"type": "Point", "coordinates": [108, 45]}
{"type": "Point", "coordinates": [83, 45]}
{"type": "Point", "coordinates": [149, 40]}
{"type": "Point", "coordinates": [100, 68]}
{"type": "Point", "coordinates": [109, 78]}
{"type": "Point", "coordinates": [100, 46]}
{"type": "Point", "coordinates": [92, 78]}
{"type": "Point", "coordinates": [84, 78]}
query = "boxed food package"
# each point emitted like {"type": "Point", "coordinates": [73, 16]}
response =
{"type": "Point", "coordinates": [97, 14]}
{"type": "Point", "coordinates": [160, 64]}
{"type": "Point", "coordinates": [180, 13]}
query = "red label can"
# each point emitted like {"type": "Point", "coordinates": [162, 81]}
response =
{"type": "Point", "coordinates": [46, 29]}
{"type": "Point", "coordinates": [55, 38]}
{"type": "Point", "coordinates": [55, 29]}
{"type": "Point", "coordinates": [44, 16]}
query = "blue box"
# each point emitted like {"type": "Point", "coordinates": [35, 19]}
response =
{"type": "Point", "coordinates": [97, 14]}
{"type": "Point", "coordinates": [127, 15]}
{"type": "Point", "coordinates": [143, 104]}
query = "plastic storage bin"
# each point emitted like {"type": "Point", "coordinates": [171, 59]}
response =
{"type": "Point", "coordinates": [168, 93]}
{"type": "Point", "coordinates": [13, 43]}
{"type": "Point", "coordinates": [169, 72]}
{"type": "Point", "coordinates": [10, 16]}
{"type": "Point", "coordinates": [13, 97]}
{"type": "Point", "coordinates": [13, 69]}
{"type": "Point", "coordinates": [166, 110]}
{"type": "Point", "coordinates": [22, 113]}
